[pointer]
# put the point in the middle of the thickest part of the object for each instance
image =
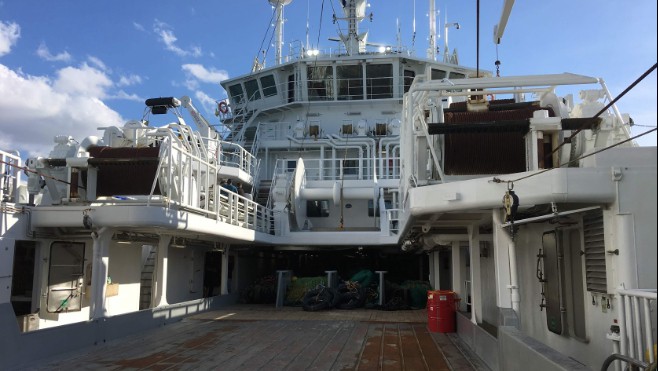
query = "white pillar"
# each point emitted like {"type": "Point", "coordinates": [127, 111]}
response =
{"type": "Point", "coordinates": [476, 281]}
{"type": "Point", "coordinates": [501, 241]}
{"type": "Point", "coordinates": [100, 265]}
{"type": "Point", "coordinates": [457, 274]}
{"type": "Point", "coordinates": [160, 279]}
{"type": "Point", "coordinates": [224, 270]}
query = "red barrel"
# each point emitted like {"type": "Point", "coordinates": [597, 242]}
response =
{"type": "Point", "coordinates": [432, 312]}
{"type": "Point", "coordinates": [441, 311]}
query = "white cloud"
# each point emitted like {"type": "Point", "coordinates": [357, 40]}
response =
{"type": "Point", "coordinates": [125, 96]}
{"type": "Point", "coordinates": [203, 74]}
{"type": "Point", "coordinates": [98, 63]}
{"type": "Point", "coordinates": [206, 101]}
{"type": "Point", "coordinates": [191, 84]}
{"type": "Point", "coordinates": [35, 109]}
{"type": "Point", "coordinates": [129, 80]}
{"type": "Point", "coordinates": [138, 26]}
{"type": "Point", "coordinates": [168, 38]}
{"type": "Point", "coordinates": [9, 34]}
{"type": "Point", "coordinates": [44, 53]}
{"type": "Point", "coordinates": [85, 80]}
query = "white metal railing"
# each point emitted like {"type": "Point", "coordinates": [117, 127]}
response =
{"type": "Point", "coordinates": [10, 176]}
{"type": "Point", "coordinates": [393, 216]}
{"type": "Point", "coordinates": [637, 324]}
{"type": "Point", "coordinates": [234, 155]}
{"type": "Point", "coordinates": [191, 182]}
{"type": "Point", "coordinates": [297, 51]}
{"type": "Point", "coordinates": [347, 168]}
{"type": "Point", "coordinates": [187, 175]}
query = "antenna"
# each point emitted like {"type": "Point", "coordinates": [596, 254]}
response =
{"type": "Point", "coordinates": [413, 37]}
{"type": "Point", "coordinates": [446, 54]}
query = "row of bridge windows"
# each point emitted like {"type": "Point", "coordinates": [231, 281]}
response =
{"type": "Point", "coordinates": [350, 83]}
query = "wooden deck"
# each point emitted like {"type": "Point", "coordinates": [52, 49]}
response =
{"type": "Point", "coordinates": [257, 337]}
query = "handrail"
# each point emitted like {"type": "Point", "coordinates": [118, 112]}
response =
{"type": "Point", "coordinates": [636, 338]}
{"type": "Point", "coordinates": [10, 176]}
{"type": "Point", "coordinates": [187, 177]}
{"type": "Point", "coordinates": [620, 357]}
{"type": "Point", "coordinates": [239, 157]}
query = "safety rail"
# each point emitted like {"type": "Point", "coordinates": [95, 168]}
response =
{"type": "Point", "coordinates": [637, 325]}
{"type": "Point", "coordinates": [234, 155]}
{"type": "Point", "coordinates": [297, 51]}
{"type": "Point", "coordinates": [347, 168]}
{"type": "Point", "coordinates": [393, 217]}
{"type": "Point", "coordinates": [186, 177]}
{"type": "Point", "coordinates": [10, 176]}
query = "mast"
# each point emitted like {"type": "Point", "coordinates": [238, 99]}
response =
{"type": "Point", "coordinates": [431, 50]}
{"type": "Point", "coordinates": [354, 11]}
{"type": "Point", "coordinates": [446, 52]}
{"type": "Point", "coordinates": [278, 6]}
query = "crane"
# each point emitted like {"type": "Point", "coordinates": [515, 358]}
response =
{"type": "Point", "coordinates": [204, 127]}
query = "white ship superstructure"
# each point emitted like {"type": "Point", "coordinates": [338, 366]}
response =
{"type": "Point", "coordinates": [534, 207]}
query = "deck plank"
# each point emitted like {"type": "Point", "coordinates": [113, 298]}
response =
{"type": "Point", "coordinates": [264, 338]}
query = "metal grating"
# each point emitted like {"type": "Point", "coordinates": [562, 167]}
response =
{"type": "Point", "coordinates": [594, 251]}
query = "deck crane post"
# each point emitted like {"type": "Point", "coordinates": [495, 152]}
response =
{"type": "Point", "coordinates": [207, 131]}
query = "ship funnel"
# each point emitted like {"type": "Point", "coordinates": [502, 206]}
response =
{"type": "Point", "coordinates": [278, 8]}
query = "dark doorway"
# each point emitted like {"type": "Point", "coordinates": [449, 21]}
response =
{"type": "Point", "coordinates": [445, 270]}
{"type": "Point", "coordinates": [212, 273]}
{"type": "Point", "coordinates": [23, 277]}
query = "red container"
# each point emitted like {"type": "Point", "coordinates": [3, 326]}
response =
{"type": "Point", "coordinates": [441, 311]}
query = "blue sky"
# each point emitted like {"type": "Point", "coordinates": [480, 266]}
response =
{"type": "Point", "coordinates": [69, 67]}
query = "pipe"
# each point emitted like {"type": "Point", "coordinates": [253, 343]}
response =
{"type": "Point", "coordinates": [514, 285]}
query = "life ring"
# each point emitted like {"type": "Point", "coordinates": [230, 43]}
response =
{"type": "Point", "coordinates": [223, 107]}
{"type": "Point", "coordinates": [491, 97]}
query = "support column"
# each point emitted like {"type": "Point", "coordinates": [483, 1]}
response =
{"type": "Point", "coordinates": [283, 279]}
{"type": "Point", "coordinates": [224, 281]}
{"type": "Point", "coordinates": [435, 265]}
{"type": "Point", "coordinates": [501, 241]}
{"type": "Point", "coordinates": [381, 286]}
{"type": "Point", "coordinates": [457, 275]}
{"type": "Point", "coordinates": [160, 278]}
{"type": "Point", "coordinates": [332, 279]}
{"type": "Point", "coordinates": [476, 280]}
{"type": "Point", "coordinates": [100, 264]}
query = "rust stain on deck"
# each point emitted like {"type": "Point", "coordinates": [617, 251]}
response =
{"type": "Point", "coordinates": [265, 338]}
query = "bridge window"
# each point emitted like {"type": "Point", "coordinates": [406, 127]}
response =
{"type": "Point", "coordinates": [291, 88]}
{"type": "Point", "coordinates": [408, 79]}
{"type": "Point", "coordinates": [457, 75]}
{"type": "Point", "coordinates": [252, 89]}
{"type": "Point", "coordinates": [269, 85]}
{"type": "Point", "coordinates": [237, 94]}
{"type": "Point", "coordinates": [379, 79]}
{"type": "Point", "coordinates": [350, 82]}
{"type": "Point", "coordinates": [320, 83]}
{"type": "Point", "coordinates": [438, 74]}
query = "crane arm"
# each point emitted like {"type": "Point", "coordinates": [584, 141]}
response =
{"type": "Point", "coordinates": [499, 29]}
{"type": "Point", "coordinates": [203, 125]}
